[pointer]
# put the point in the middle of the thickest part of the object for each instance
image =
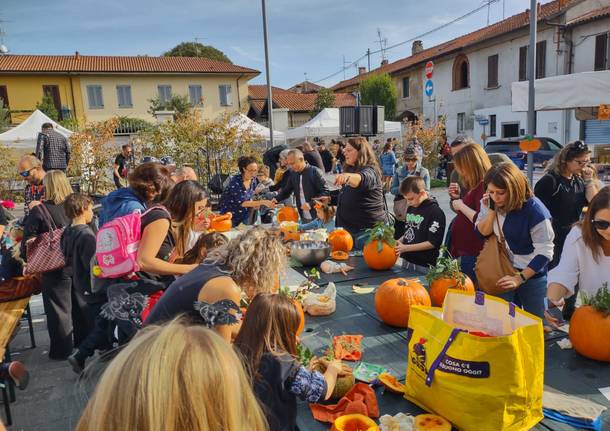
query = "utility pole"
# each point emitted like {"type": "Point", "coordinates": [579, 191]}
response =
{"type": "Point", "coordinates": [531, 71]}
{"type": "Point", "coordinates": [368, 56]}
{"type": "Point", "coordinates": [268, 72]}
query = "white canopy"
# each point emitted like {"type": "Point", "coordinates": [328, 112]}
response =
{"type": "Point", "coordinates": [578, 90]}
{"type": "Point", "coordinates": [244, 123]}
{"type": "Point", "coordinates": [25, 134]}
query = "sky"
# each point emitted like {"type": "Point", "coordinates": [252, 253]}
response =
{"type": "Point", "coordinates": [305, 37]}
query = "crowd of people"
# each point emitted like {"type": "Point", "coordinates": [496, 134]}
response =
{"type": "Point", "coordinates": [176, 315]}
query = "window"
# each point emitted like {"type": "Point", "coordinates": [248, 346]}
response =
{"type": "Point", "coordinates": [510, 130]}
{"type": "Point", "coordinates": [460, 122]}
{"type": "Point", "coordinates": [165, 93]}
{"type": "Point", "coordinates": [492, 125]}
{"type": "Point", "coordinates": [523, 63]}
{"type": "Point", "coordinates": [123, 94]}
{"type": "Point", "coordinates": [541, 59]}
{"type": "Point", "coordinates": [94, 94]}
{"type": "Point", "coordinates": [225, 95]}
{"type": "Point", "coordinates": [405, 87]}
{"type": "Point", "coordinates": [492, 71]}
{"type": "Point", "coordinates": [195, 97]}
{"type": "Point", "coordinates": [601, 52]}
{"type": "Point", "coordinates": [460, 72]}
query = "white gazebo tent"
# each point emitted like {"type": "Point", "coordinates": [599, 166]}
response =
{"type": "Point", "coordinates": [25, 134]}
{"type": "Point", "coordinates": [243, 123]}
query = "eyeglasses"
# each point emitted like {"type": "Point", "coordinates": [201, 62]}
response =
{"type": "Point", "coordinates": [582, 162]}
{"type": "Point", "coordinates": [26, 174]}
{"type": "Point", "coordinates": [601, 224]}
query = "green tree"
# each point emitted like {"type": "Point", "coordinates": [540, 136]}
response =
{"type": "Point", "coordinates": [325, 99]}
{"type": "Point", "coordinates": [4, 117]}
{"type": "Point", "coordinates": [179, 104]}
{"type": "Point", "coordinates": [380, 90]}
{"type": "Point", "coordinates": [195, 49]}
{"type": "Point", "coordinates": [47, 106]}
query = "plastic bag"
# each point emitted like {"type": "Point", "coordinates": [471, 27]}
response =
{"type": "Point", "coordinates": [321, 304]}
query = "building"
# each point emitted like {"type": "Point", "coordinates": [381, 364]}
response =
{"type": "Point", "coordinates": [100, 87]}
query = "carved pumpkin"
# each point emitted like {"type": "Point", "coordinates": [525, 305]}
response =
{"type": "Point", "coordinates": [394, 298]}
{"type": "Point", "coordinates": [345, 378]}
{"type": "Point", "coordinates": [379, 255]}
{"type": "Point", "coordinates": [288, 214]}
{"type": "Point", "coordinates": [354, 422]}
{"type": "Point", "coordinates": [438, 288]}
{"type": "Point", "coordinates": [290, 230]}
{"type": "Point", "coordinates": [392, 383]}
{"type": "Point", "coordinates": [339, 255]}
{"type": "Point", "coordinates": [340, 240]}
{"type": "Point", "coordinates": [221, 223]}
{"type": "Point", "coordinates": [589, 333]}
{"type": "Point", "coordinates": [431, 423]}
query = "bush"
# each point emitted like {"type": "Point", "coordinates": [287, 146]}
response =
{"type": "Point", "coordinates": [47, 106]}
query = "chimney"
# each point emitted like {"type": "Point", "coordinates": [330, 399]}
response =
{"type": "Point", "coordinates": [418, 46]}
{"type": "Point", "coordinates": [76, 55]}
{"type": "Point", "coordinates": [384, 62]}
{"type": "Point", "coordinates": [361, 70]}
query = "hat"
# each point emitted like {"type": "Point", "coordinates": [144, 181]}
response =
{"type": "Point", "coordinates": [410, 153]}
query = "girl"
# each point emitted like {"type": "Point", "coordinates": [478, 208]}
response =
{"type": "Point", "coordinates": [325, 218]}
{"type": "Point", "coordinates": [217, 396]}
{"type": "Point", "coordinates": [205, 244]}
{"type": "Point", "coordinates": [268, 344]}
{"type": "Point", "coordinates": [388, 164]}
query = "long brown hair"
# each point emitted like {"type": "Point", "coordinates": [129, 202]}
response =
{"type": "Point", "coordinates": [574, 150]}
{"type": "Point", "coordinates": [151, 182]}
{"type": "Point", "coordinates": [507, 176]}
{"type": "Point", "coordinates": [472, 163]}
{"type": "Point", "coordinates": [270, 326]}
{"type": "Point", "coordinates": [366, 155]}
{"type": "Point", "coordinates": [590, 235]}
{"type": "Point", "coordinates": [205, 243]}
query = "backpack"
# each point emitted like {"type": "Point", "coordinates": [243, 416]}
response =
{"type": "Point", "coordinates": [116, 245]}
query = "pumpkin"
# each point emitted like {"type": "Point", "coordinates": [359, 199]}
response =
{"type": "Point", "coordinates": [431, 423]}
{"type": "Point", "coordinates": [299, 307]}
{"type": "Point", "coordinates": [290, 230]}
{"type": "Point", "coordinates": [590, 326]}
{"type": "Point", "coordinates": [394, 298]}
{"type": "Point", "coordinates": [446, 274]}
{"type": "Point", "coordinates": [221, 223]}
{"type": "Point", "coordinates": [529, 144]}
{"type": "Point", "coordinates": [345, 378]}
{"type": "Point", "coordinates": [288, 214]}
{"type": "Point", "coordinates": [339, 255]}
{"type": "Point", "coordinates": [340, 240]}
{"type": "Point", "coordinates": [354, 422]}
{"type": "Point", "coordinates": [392, 383]}
{"type": "Point", "coordinates": [438, 288]}
{"type": "Point", "coordinates": [379, 251]}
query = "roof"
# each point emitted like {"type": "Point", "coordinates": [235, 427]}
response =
{"type": "Point", "coordinates": [293, 101]}
{"type": "Point", "coordinates": [590, 16]}
{"type": "Point", "coordinates": [116, 64]}
{"type": "Point", "coordinates": [305, 87]}
{"type": "Point", "coordinates": [513, 23]}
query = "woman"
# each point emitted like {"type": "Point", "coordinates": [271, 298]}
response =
{"type": "Point", "coordinates": [471, 163]}
{"type": "Point", "coordinates": [238, 196]}
{"type": "Point", "coordinates": [388, 164]}
{"type": "Point", "coordinates": [68, 321]}
{"type": "Point", "coordinates": [162, 366]}
{"type": "Point", "coordinates": [585, 260]}
{"type": "Point", "coordinates": [361, 201]}
{"type": "Point", "coordinates": [248, 265]}
{"type": "Point", "coordinates": [509, 204]}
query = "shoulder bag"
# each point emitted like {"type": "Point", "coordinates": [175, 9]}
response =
{"type": "Point", "coordinates": [44, 251]}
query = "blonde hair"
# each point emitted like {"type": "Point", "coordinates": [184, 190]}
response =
{"type": "Point", "coordinates": [56, 187]}
{"type": "Point", "coordinates": [33, 161]}
{"type": "Point", "coordinates": [472, 163]}
{"type": "Point", "coordinates": [173, 378]}
{"type": "Point", "coordinates": [507, 176]}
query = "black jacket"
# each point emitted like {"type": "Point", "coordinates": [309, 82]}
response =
{"type": "Point", "coordinates": [314, 185]}
{"type": "Point", "coordinates": [78, 246]}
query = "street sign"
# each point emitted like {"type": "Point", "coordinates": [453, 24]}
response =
{"type": "Point", "coordinates": [483, 121]}
{"type": "Point", "coordinates": [429, 69]}
{"type": "Point", "coordinates": [429, 88]}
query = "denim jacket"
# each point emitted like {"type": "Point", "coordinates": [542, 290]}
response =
{"type": "Point", "coordinates": [402, 173]}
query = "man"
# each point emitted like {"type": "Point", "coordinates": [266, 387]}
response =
{"type": "Point", "coordinates": [122, 163]}
{"type": "Point", "coordinates": [31, 171]}
{"type": "Point", "coordinates": [312, 156]}
{"type": "Point", "coordinates": [53, 149]}
{"type": "Point", "coordinates": [327, 158]}
{"type": "Point", "coordinates": [306, 182]}
{"type": "Point", "coordinates": [184, 173]}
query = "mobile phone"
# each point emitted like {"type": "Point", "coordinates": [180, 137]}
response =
{"type": "Point", "coordinates": [492, 204]}
{"type": "Point", "coordinates": [554, 312]}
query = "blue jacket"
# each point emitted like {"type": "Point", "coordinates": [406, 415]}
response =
{"type": "Point", "coordinates": [402, 173]}
{"type": "Point", "coordinates": [388, 163]}
{"type": "Point", "coordinates": [119, 203]}
{"type": "Point", "coordinates": [318, 224]}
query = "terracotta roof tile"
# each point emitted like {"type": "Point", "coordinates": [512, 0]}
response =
{"type": "Point", "coordinates": [590, 16]}
{"type": "Point", "coordinates": [294, 101]}
{"type": "Point", "coordinates": [116, 64]}
{"type": "Point", "coordinates": [311, 87]}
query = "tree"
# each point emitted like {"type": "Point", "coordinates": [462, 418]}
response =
{"type": "Point", "coordinates": [325, 99]}
{"type": "Point", "coordinates": [431, 138]}
{"type": "Point", "coordinates": [179, 104]}
{"type": "Point", "coordinates": [195, 49]}
{"type": "Point", "coordinates": [4, 117]}
{"type": "Point", "coordinates": [47, 106]}
{"type": "Point", "coordinates": [380, 90]}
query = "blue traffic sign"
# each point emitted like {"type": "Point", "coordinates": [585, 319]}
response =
{"type": "Point", "coordinates": [483, 121]}
{"type": "Point", "coordinates": [429, 88]}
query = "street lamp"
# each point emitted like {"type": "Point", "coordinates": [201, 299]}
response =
{"type": "Point", "coordinates": [268, 72]}
{"type": "Point", "coordinates": [531, 71]}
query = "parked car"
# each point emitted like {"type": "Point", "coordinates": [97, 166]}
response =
{"type": "Point", "coordinates": [510, 146]}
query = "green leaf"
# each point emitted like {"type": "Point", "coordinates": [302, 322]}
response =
{"type": "Point", "coordinates": [600, 301]}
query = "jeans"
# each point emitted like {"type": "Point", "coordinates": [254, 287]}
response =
{"type": "Point", "coordinates": [100, 337]}
{"type": "Point", "coordinates": [467, 264]}
{"type": "Point", "coordinates": [360, 238]}
{"type": "Point", "coordinates": [530, 296]}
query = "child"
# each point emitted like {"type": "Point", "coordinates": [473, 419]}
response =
{"type": "Point", "coordinates": [78, 246]}
{"type": "Point", "coordinates": [325, 218]}
{"type": "Point", "coordinates": [268, 344]}
{"type": "Point", "coordinates": [262, 192]}
{"type": "Point", "coordinates": [206, 243]}
{"type": "Point", "coordinates": [425, 227]}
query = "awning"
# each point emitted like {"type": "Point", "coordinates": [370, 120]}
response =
{"type": "Point", "coordinates": [25, 134]}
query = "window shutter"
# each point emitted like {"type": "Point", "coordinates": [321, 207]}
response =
{"type": "Point", "coordinates": [492, 71]}
{"type": "Point", "coordinates": [229, 98]}
{"type": "Point", "coordinates": [523, 63]}
{"type": "Point", "coordinates": [601, 50]}
{"type": "Point", "coordinates": [541, 59]}
{"type": "Point", "coordinates": [405, 87]}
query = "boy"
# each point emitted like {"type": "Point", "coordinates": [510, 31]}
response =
{"type": "Point", "coordinates": [425, 227]}
{"type": "Point", "coordinates": [78, 246]}
{"type": "Point", "coordinates": [262, 192]}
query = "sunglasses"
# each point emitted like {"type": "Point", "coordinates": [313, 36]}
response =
{"type": "Point", "coordinates": [26, 174]}
{"type": "Point", "coordinates": [601, 224]}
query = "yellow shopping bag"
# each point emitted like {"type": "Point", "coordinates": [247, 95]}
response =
{"type": "Point", "coordinates": [478, 383]}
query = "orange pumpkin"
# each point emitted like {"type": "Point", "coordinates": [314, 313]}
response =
{"type": "Point", "coordinates": [340, 240]}
{"type": "Point", "coordinates": [392, 383]}
{"type": "Point", "coordinates": [394, 298]}
{"type": "Point", "coordinates": [431, 423]}
{"type": "Point", "coordinates": [589, 333]}
{"type": "Point", "coordinates": [339, 255]}
{"type": "Point", "coordinates": [288, 214]}
{"type": "Point", "coordinates": [354, 422]}
{"type": "Point", "coordinates": [379, 260]}
{"type": "Point", "coordinates": [221, 223]}
{"type": "Point", "coordinates": [530, 145]}
{"type": "Point", "coordinates": [438, 288]}
{"type": "Point", "coordinates": [299, 307]}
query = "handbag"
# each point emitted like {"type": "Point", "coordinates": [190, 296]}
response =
{"type": "Point", "coordinates": [44, 251]}
{"type": "Point", "coordinates": [493, 263]}
{"type": "Point", "coordinates": [19, 287]}
{"type": "Point", "coordinates": [400, 209]}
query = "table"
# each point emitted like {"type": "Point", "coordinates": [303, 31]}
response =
{"type": "Point", "coordinates": [565, 370]}
{"type": "Point", "coordinates": [10, 314]}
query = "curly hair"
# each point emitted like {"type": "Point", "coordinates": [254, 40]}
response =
{"type": "Point", "coordinates": [253, 260]}
{"type": "Point", "coordinates": [151, 182]}
{"type": "Point", "coordinates": [559, 163]}
{"type": "Point", "coordinates": [244, 161]}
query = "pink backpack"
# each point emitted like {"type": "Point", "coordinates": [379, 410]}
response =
{"type": "Point", "coordinates": [116, 245]}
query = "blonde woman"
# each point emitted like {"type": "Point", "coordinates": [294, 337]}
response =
{"type": "Point", "coordinates": [68, 320]}
{"type": "Point", "coordinates": [174, 378]}
{"type": "Point", "coordinates": [247, 266]}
